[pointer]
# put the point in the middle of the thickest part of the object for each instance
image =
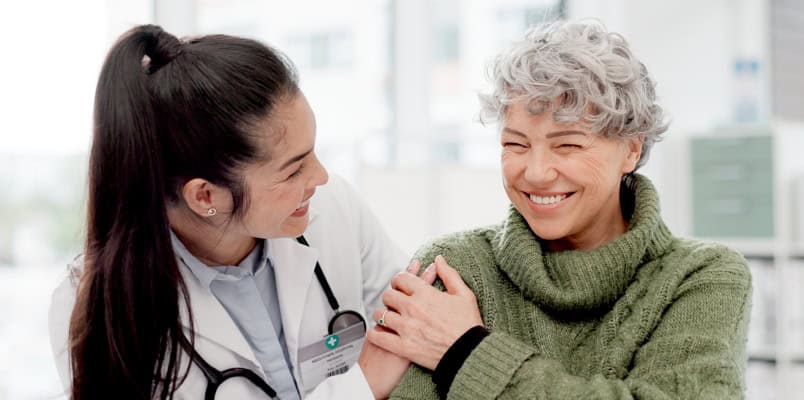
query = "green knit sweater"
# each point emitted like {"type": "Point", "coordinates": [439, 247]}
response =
{"type": "Point", "coordinates": [646, 316]}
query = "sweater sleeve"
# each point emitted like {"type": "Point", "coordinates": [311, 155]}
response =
{"type": "Point", "coordinates": [697, 351]}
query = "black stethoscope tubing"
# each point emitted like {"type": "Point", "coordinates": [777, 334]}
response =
{"type": "Point", "coordinates": [215, 377]}
{"type": "Point", "coordinates": [333, 302]}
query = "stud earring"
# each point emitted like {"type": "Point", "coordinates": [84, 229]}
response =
{"type": "Point", "coordinates": [212, 211]}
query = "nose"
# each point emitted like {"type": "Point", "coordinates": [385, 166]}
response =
{"type": "Point", "coordinates": [540, 168]}
{"type": "Point", "coordinates": [321, 176]}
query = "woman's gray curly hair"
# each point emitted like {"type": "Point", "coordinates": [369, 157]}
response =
{"type": "Point", "coordinates": [584, 74]}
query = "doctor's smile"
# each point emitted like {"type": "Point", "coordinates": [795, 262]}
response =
{"type": "Point", "coordinates": [303, 208]}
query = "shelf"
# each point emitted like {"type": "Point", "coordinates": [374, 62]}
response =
{"type": "Point", "coordinates": [762, 359]}
{"type": "Point", "coordinates": [797, 250]}
{"type": "Point", "coordinates": [752, 248]}
{"type": "Point", "coordinates": [758, 248]}
{"type": "Point", "coordinates": [766, 354]}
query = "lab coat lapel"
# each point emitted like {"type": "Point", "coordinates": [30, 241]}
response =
{"type": "Point", "coordinates": [211, 319]}
{"type": "Point", "coordinates": [294, 266]}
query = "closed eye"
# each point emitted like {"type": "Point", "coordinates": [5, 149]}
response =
{"type": "Point", "coordinates": [297, 172]}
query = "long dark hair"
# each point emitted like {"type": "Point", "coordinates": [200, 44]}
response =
{"type": "Point", "coordinates": [166, 111]}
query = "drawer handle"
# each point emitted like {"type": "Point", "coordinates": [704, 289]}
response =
{"type": "Point", "coordinates": [728, 207]}
{"type": "Point", "coordinates": [728, 173]}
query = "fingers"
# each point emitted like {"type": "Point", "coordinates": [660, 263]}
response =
{"type": "Point", "coordinates": [408, 283]}
{"type": "Point", "coordinates": [386, 318]}
{"type": "Point", "coordinates": [450, 276]}
{"type": "Point", "coordinates": [414, 267]}
{"type": "Point", "coordinates": [385, 340]}
{"type": "Point", "coordinates": [394, 299]}
{"type": "Point", "coordinates": [429, 275]}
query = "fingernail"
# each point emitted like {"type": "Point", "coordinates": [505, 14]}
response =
{"type": "Point", "coordinates": [413, 266]}
{"type": "Point", "coordinates": [429, 268]}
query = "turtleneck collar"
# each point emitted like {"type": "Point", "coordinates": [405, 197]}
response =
{"type": "Point", "coordinates": [584, 280]}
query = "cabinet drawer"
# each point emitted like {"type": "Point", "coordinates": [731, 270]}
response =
{"type": "Point", "coordinates": [711, 149]}
{"type": "Point", "coordinates": [732, 186]}
{"type": "Point", "coordinates": [733, 217]}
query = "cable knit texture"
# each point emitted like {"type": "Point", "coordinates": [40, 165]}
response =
{"type": "Point", "coordinates": [646, 316]}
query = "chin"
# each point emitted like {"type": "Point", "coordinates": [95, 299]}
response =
{"type": "Point", "coordinates": [294, 233]}
{"type": "Point", "coordinates": [549, 236]}
{"type": "Point", "coordinates": [295, 230]}
{"type": "Point", "coordinates": [547, 232]}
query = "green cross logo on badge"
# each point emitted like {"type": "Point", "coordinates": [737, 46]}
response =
{"type": "Point", "coordinates": [332, 342]}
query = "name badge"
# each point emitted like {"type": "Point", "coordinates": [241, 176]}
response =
{"type": "Point", "coordinates": [331, 356]}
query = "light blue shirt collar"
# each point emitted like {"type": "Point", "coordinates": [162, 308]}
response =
{"type": "Point", "coordinates": [255, 262]}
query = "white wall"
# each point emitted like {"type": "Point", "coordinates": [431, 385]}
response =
{"type": "Point", "coordinates": [689, 47]}
{"type": "Point", "coordinates": [419, 204]}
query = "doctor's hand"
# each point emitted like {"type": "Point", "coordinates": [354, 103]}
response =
{"type": "Point", "coordinates": [383, 369]}
{"type": "Point", "coordinates": [422, 322]}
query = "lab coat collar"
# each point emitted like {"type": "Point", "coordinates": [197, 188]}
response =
{"type": "Point", "coordinates": [294, 264]}
{"type": "Point", "coordinates": [313, 210]}
{"type": "Point", "coordinates": [210, 318]}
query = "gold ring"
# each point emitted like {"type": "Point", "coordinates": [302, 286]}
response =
{"type": "Point", "coordinates": [381, 321]}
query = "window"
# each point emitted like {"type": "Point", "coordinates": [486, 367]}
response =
{"type": "Point", "coordinates": [52, 59]}
{"type": "Point", "coordinates": [321, 51]}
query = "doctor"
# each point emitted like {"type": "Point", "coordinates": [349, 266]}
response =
{"type": "Point", "coordinates": [221, 262]}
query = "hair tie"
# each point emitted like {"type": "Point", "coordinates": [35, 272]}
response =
{"type": "Point", "coordinates": [160, 47]}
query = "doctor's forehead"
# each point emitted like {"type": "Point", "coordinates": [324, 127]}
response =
{"type": "Point", "coordinates": [287, 134]}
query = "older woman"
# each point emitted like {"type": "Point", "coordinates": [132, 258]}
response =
{"type": "Point", "coordinates": [582, 292]}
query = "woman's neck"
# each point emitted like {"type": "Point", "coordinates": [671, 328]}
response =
{"type": "Point", "coordinates": [211, 245]}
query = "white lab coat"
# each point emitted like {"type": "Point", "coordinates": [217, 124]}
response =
{"type": "Point", "coordinates": [358, 259]}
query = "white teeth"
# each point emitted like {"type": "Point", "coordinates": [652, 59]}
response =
{"type": "Point", "coordinates": [304, 204]}
{"type": "Point", "coordinates": [547, 199]}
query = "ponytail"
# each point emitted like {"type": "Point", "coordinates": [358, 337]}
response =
{"type": "Point", "coordinates": [126, 322]}
{"type": "Point", "coordinates": [166, 112]}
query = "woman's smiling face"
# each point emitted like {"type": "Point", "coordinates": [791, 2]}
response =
{"type": "Point", "coordinates": [564, 179]}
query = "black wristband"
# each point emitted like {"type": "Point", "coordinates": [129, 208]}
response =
{"type": "Point", "coordinates": [453, 359]}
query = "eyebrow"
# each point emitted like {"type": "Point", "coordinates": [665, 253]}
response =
{"type": "Point", "coordinates": [563, 133]}
{"type": "Point", "coordinates": [547, 136]}
{"type": "Point", "coordinates": [515, 132]}
{"type": "Point", "coordinates": [295, 159]}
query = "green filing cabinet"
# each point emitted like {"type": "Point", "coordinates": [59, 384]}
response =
{"type": "Point", "coordinates": [732, 186]}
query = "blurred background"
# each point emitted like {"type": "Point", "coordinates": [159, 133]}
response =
{"type": "Point", "coordinates": [394, 87]}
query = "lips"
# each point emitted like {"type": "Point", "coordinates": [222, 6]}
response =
{"type": "Point", "coordinates": [304, 204]}
{"type": "Point", "coordinates": [303, 207]}
{"type": "Point", "coordinates": [545, 200]}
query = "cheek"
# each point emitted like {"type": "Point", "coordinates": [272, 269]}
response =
{"type": "Point", "coordinates": [595, 168]}
{"type": "Point", "coordinates": [511, 165]}
{"type": "Point", "coordinates": [269, 205]}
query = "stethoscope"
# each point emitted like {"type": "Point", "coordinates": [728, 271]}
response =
{"type": "Point", "coordinates": [341, 320]}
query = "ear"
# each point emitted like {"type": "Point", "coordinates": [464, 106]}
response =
{"type": "Point", "coordinates": [634, 153]}
{"type": "Point", "coordinates": [200, 196]}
